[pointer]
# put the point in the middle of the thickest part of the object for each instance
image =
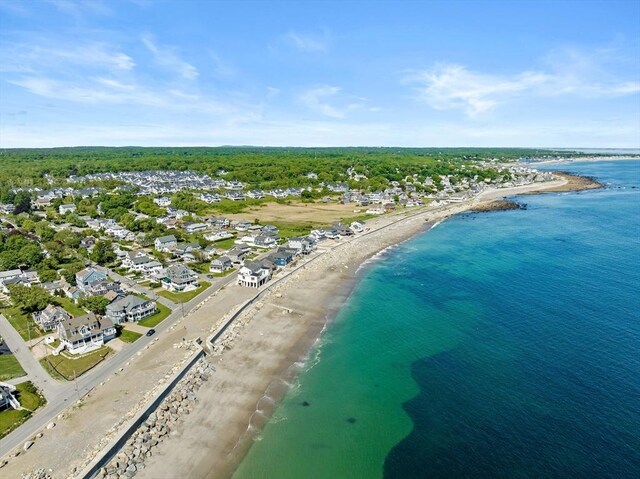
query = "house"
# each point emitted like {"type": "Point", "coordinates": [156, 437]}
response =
{"type": "Point", "coordinates": [88, 276]}
{"type": "Point", "coordinates": [179, 278]}
{"type": "Point", "coordinates": [220, 265]}
{"type": "Point", "coordinates": [162, 201]}
{"type": "Point", "coordinates": [145, 265]}
{"type": "Point", "coordinates": [50, 317]}
{"type": "Point", "coordinates": [264, 241]}
{"type": "Point", "coordinates": [9, 274]}
{"type": "Point", "coordinates": [238, 253]}
{"type": "Point", "coordinates": [7, 398]}
{"type": "Point", "coordinates": [101, 288]}
{"type": "Point", "coordinates": [64, 209]}
{"type": "Point", "coordinates": [282, 257]}
{"type": "Point", "coordinates": [85, 333]}
{"type": "Point", "coordinates": [300, 245]}
{"type": "Point", "coordinates": [195, 227]}
{"type": "Point", "coordinates": [209, 252]}
{"type": "Point", "coordinates": [165, 243]}
{"type": "Point", "coordinates": [88, 242]}
{"type": "Point", "coordinates": [217, 236]}
{"type": "Point", "coordinates": [253, 275]}
{"type": "Point", "coordinates": [130, 308]}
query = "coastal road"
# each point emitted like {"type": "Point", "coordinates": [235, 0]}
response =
{"type": "Point", "coordinates": [61, 395]}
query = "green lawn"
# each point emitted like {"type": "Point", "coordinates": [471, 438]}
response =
{"type": "Point", "coordinates": [225, 243]}
{"type": "Point", "coordinates": [185, 297]}
{"type": "Point", "coordinates": [201, 267]}
{"type": "Point", "coordinates": [23, 323]}
{"type": "Point", "coordinates": [223, 274]}
{"type": "Point", "coordinates": [70, 307]}
{"type": "Point", "coordinates": [29, 396]}
{"type": "Point", "coordinates": [30, 399]}
{"type": "Point", "coordinates": [159, 316]}
{"type": "Point", "coordinates": [65, 365]}
{"type": "Point", "coordinates": [129, 336]}
{"type": "Point", "coordinates": [10, 367]}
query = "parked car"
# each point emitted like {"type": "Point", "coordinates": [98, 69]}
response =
{"type": "Point", "coordinates": [151, 332]}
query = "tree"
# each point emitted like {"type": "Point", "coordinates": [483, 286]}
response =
{"type": "Point", "coordinates": [22, 202]}
{"type": "Point", "coordinates": [103, 253]}
{"type": "Point", "coordinates": [96, 304]}
{"type": "Point", "coordinates": [29, 299]}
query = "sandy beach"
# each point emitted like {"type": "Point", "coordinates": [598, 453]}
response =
{"type": "Point", "coordinates": [271, 342]}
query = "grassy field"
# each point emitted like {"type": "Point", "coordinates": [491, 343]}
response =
{"type": "Point", "coordinates": [70, 307]}
{"type": "Point", "coordinates": [64, 366]}
{"type": "Point", "coordinates": [10, 367]}
{"type": "Point", "coordinates": [185, 297]}
{"type": "Point", "coordinates": [30, 399]}
{"type": "Point", "coordinates": [159, 316]}
{"type": "Point", "coordinates": [129, 336]}
{"type": "Point", "coordinates": [21, 322]}
{"type": "Point", "coordinates": [297, 212]}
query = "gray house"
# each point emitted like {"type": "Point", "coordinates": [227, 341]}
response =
{"type": "Point", "coordinates": [50, 317]}
{"type": "Point", "coordinates": [130, 308]}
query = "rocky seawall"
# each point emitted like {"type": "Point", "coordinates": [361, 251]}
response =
{"type": "Point", "coordinates": [498, 205]}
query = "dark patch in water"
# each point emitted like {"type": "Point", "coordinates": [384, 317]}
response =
{"type": "Point", "coordinates": [351, 420]}
{"type": "Point", "coordinates": [306, 404]}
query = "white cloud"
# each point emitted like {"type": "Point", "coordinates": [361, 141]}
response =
{"type": "Point", "coordinates": [307, 42]}
{"type": "Point", "coordinates": [167, 58]}
{"type": "Point", "coordinates": [568, 72]}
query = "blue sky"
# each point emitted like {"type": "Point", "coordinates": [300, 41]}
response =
{"type": "Point", "coordinates": [456, 73]}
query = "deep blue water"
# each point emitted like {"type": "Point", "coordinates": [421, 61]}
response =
{"type": "Point", "coordinates": [497, 345]}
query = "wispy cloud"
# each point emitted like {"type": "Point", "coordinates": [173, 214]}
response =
{"type": "Point", "coordinates": [25, 57]}
{"type": "Point", "coordinates": [568, 72]}
{"type": "Point", "coordinates": [167, 58]}
{"type": "Point", "coordinates": [316, 99]}
{"type": "Point", "coordinates": [77, 8]}
{"type": "Point", "coordinates": [306, 42]}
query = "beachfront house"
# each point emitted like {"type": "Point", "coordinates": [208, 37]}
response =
{"type": "Point", "coordinates": [178, 278]}
{"type": "Point", "coordinates": [220, 265]}
{"type": "Point", "coordinates": [130, 308]}
{"type": "Point", "coordinates": [50, 317]}
{"type": "Point", "coordinates": [85, 333]}
{"type": "Point", "coordinates": [253, 275]}
{"type": "Point", "coordinates": [300, 245]}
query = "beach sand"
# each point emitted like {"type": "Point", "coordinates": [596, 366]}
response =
{"type": "Point", "coordinates": [251, 377]}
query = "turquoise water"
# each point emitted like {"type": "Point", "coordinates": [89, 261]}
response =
{"type": "Point", "coordinates": [504, 344]}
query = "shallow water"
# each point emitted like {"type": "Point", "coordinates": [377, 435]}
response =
{"type": "Point", "coordinates": [501, 344]}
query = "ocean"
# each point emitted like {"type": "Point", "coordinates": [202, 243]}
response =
{"type": "Point", "coordinates": [496, 345]}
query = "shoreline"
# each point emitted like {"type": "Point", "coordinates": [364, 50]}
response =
{"type": "Point", "coordinates": [257, 368]}
{"type": "Point", "coordinates": [208, 458]}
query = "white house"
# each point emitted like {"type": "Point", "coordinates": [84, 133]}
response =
{"type": "Point", "coordinates": [130, 308]}
{"type": "Point", "coordinates": [85, 333]}
{"type": "Point", "coordinates": [64, 209]}
{"type": "Point", "coordinates": [220, 265]}
{"type": "Point", "coordinates": [253, 275]}
{"type": "Point", "coordinates": [162, 201]}
{"type": "Point", "coordinates": [165, 243]}
{"type": "Point", "coordinates": [179, 278]}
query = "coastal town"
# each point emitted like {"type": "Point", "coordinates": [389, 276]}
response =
{"type": "Point", "coordinates": [96, 267]}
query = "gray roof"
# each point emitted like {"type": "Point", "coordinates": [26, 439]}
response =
{"type": "Point", "coordinates": [127, 303]}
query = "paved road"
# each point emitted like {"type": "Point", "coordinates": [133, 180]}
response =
{"type": "Point", "coordinates": [61, 395]}
{"type": "Point", "coordinates": [29, 363]}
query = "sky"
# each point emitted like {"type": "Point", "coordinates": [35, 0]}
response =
{"type": "Point", "coordinates": [348, 73]}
